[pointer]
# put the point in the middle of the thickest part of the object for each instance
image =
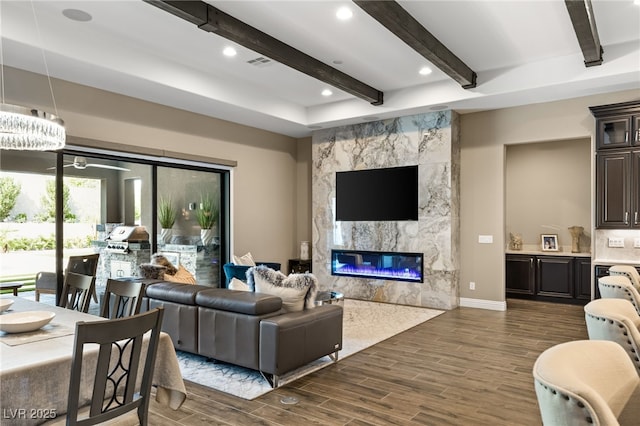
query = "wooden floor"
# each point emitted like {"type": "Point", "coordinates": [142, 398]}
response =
{"type": "Point", "coordinates": [465, 367]}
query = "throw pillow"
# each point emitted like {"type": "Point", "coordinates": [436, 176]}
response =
{"type": "Point", "coordinates": [297, 291]}
{"type": "Point", "coordinates": [182, 276]}
{"type": "Point", "coordinates": [236, 284]}
{"type": "Point", "coordinates": [158, 259]}
{"type": "Point", "coordinates": [246, 260]}
{"type": "Point", "coordinates": [151, 271]}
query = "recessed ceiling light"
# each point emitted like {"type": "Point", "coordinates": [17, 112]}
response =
{"type": "Point", "coordinates": [77, 15]}
{"type": "Point", "coordinates": [425, 71]}
{"type": "Point", "coordinates": [338, 62]}
{"type": "Point", "coordinates": [344, 13]}
{"type": "Point", "coordinates": [371, 118]}
{"type": "Point", "coordinates": [229, 51]}
{"type": "Point", "coordinates": [327, 92]}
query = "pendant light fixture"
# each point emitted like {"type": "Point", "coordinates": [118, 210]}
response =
{"type": "Point", "coordinates": [23, 128]}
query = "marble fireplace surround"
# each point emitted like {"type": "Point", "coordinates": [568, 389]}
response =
{"type": "Point", "coordinates": [430, 141]}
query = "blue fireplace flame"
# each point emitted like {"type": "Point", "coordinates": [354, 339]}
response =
{"type": "Point", "coordinates": [381, 265]}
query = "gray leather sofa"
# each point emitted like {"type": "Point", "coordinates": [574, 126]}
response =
{"type": "Point", "coordinates": [245, 328]}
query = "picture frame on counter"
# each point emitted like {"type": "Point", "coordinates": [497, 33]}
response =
{"type": "Point", "coordinates": [549, 242]}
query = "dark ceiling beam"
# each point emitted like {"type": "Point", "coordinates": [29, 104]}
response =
{"type": "Point", "coordinates": [397, 20]}
{"type": "Point", "coordinates": [584, 24]}
{"type": "Point", "coordinates": [211, 19]}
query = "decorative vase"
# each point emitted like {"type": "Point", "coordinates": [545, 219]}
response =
{"type": "Point", "coordinates": [304, 250]}
{"type": "Point", "coordinates": [576, 232]}
{"type": "Point", "coordinates": [165, 235]}
{"type": "Point", "coordinates": [206, 235]}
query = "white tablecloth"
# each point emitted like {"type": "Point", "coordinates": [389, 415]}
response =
{"type": "Point", "coordinates": [34, 377]}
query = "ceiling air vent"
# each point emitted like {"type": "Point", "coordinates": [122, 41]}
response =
{"type": "Point", "coordinates": [260, 61]}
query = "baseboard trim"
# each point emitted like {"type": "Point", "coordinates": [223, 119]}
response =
{"type": "Point", "coordinates": [483, 304]}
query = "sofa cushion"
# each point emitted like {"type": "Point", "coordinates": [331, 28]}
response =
{"type": "Point", "coordinates": [238, 301]}
{"type": "Point", "coordinates": [175, 292]}
{"type": "Point", "coordinates": [297, 291]}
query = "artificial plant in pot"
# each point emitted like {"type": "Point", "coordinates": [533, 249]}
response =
{"type": "Point", "coordinates": [207, 216]}
{"type": "Point", "coordinates": [167, 218]}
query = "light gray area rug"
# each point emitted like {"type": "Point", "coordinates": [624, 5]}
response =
{"type": "Point", "coordinates": [365, 324]}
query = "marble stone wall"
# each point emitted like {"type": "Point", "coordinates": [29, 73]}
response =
{"type": "Point", "coordinates": [432, 142]}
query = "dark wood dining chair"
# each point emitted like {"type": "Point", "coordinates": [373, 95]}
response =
{"type": "Point", "coordinates": [77, 291]}
{"type": "Point", "coordinates": [121, 299]}
{"type": "Point", "coordinates": [120, 359]}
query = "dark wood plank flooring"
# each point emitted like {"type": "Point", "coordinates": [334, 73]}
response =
{"type": "Point", "coordinates": [465, 367]}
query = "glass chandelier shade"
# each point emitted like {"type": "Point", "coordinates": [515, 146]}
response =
{"type": "Point", "coordinates": [24, 128]}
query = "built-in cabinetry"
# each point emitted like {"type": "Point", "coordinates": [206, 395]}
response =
{"type": "Point", "coordinates": [618, 165]}
{"type": "Point", "coordinates": [564, 279]}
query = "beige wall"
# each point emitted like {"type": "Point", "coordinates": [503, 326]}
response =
{"type": "Point", "coordinates": [547, 190]}
{"type": "Point", "coordinates": [265, 181]}
{"type": "Point", "coordinates": [483, 139]}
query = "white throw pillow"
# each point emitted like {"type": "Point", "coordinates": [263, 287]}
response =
{"type": "Point", "coordinates": [245, 260]}
{"type": "Point", "coordinates": [297, 291]}
{"type": "Point", "coordinates": [236, 284]}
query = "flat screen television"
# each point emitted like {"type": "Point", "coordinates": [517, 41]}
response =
{"type": "Point", "coordinates": [377, 194]}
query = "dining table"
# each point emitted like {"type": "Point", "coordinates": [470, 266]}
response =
{"type": "Point", "coordinates": [35, 367]}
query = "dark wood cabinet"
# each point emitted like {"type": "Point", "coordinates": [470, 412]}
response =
{"type": "Point", "coordinates": [564, 279]}
{"type": "Point", "coordinates": [618, 165]}
{"type": "Point", "coordinates": [554, 276]}
{"type": "Point", "coordinates": [299, 266]}
{"type": "Point", "coordinates": [520, 274]}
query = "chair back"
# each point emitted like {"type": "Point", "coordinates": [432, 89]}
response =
{"type": "Point", "coordinates": [77, 291]}
{"type": "Point", "coordinates": [584, 382]}
{"type": "Point", "coordinates": [615, 320]}
{"type": "Point", "coordinates": [619, 287]}
{"type": "Point", "coordinates": [629, 272]}
{"type": "Point", "coordinates": [85, 264]}
{"type": "Point", "coordinates": [120, 359]}
{"type": "Point", "coordinates": [121, 299]}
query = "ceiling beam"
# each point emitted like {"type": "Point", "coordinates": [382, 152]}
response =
{"type": "Point", "coordinates": [211, 19]}
{"type": "Point", "coordinates": [397, 20]}
{"type": "Point", "coordinates": [584, 24]}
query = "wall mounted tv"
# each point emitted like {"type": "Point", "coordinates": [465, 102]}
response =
{"type": "Point", "coordinates": [377, 194]}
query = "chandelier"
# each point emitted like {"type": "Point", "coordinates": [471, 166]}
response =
{"type": "Point", "coordinates": [23, 128]}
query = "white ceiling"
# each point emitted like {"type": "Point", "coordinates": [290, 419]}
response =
{"type": "Point", "coordinates": [523, 52]}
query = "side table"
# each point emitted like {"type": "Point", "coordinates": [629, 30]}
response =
{"type": "Point", "coordinates": [12, 285]}
{"type": "Point", "coordinates": [299, 266]}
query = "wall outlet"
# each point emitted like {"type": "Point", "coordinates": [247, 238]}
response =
{"type": "Point", "coordinates": [636, 243]}
{"type": "Point", "coordinates": [472, 285]}
{"type": "Point", "coordinates": [616, 242]}
{"type": "Point", "coordinates": [485, 239]}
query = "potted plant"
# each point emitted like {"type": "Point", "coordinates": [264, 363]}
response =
{"type": "Point", "coordinates": [207, 216]}
{"type": "Point", "coordinates": [167, 218]}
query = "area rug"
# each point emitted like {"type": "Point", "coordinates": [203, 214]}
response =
{"type": "Point", "coordinates": [364, 324]}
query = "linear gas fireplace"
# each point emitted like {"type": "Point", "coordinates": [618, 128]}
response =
{"type": "Point", "coordinates": [378, 264]}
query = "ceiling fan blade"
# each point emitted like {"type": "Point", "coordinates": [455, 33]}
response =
{"type": "Point", "coordinates": [106, 166]}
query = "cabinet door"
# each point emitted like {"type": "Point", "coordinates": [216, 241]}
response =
{"type": "Point", "coordinates": [612, 190]}
{"type": "Point", "coordinates": [582, 275]}
{"type": "Point", "coordinates": [614, 132]}
{"type": "Point", "coordinates": [554, 276]}
{"type": "Point", "coordinates": [635, 139]}
{"type": "Point", "coordinates": [635, 189]}
{"type": "Point", "coordinates": [520, 275]}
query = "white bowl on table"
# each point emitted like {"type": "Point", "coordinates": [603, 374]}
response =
{"type": "Point", "coordinates": [5, 304]}
{"type": "Point", "coordinates": [22, 322]}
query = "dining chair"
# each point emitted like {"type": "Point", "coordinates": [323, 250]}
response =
{"type": "Point", "coordinates": [46, 282]}
{"type": "Point", "coordinates": [121, 358]}
{"type": "Point", "coordinates": [77, 291]}
{"type": "Point", "coordinates": [615, 320]}
{"type": "Point", "coordinates": [121, 299]}
{"type": "Point", "coordinates": [586, 382]}
{"type": "Point", "coordinates": [619, 287]}
{"type": "Point", "coordinates": [629, 272]}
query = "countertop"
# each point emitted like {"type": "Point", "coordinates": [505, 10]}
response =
{"type": "Point", "coordinates": [547, 253]}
